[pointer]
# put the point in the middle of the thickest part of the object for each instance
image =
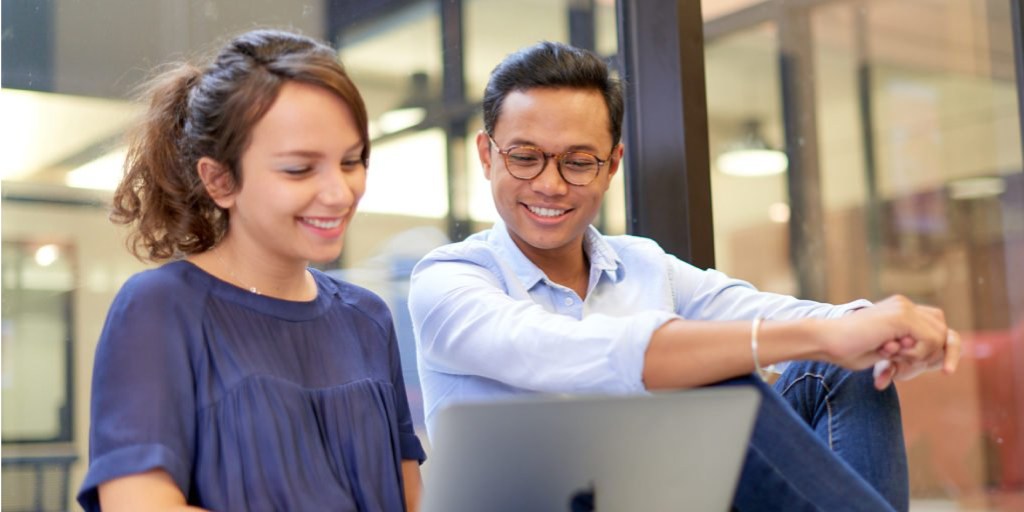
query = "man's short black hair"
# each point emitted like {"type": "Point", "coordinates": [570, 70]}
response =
{"type": "Point", "coordinates": [553, 65]}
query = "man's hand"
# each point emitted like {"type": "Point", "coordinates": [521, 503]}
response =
{"type": "Point", "coordinates": [888, 370]}
{"type": "Point", "coordinates": [911, 337]}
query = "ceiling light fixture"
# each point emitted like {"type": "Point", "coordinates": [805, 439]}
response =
{"type": "Point", "coordinates": [46, 255]}
{"type": "Point", "coordinates": [976, 188]}
{"type": "Point", "coordinates": [103, 173]}
{"type": "Point", "coordinates": [413, 109]}
{"type": "Point", "coordinates": [751, 155]}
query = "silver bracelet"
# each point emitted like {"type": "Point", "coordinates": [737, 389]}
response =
{"type": "Point", "coordinates": [755, 326]}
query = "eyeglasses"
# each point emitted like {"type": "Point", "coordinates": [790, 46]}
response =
{"type": "Point", "coordinates": [527, 162]}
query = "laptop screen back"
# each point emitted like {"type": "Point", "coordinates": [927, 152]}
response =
{"type": "Point", "coordinates": [666, 451]}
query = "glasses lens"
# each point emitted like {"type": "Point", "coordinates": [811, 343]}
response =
{"type": "Point", "coordinates": [579, 168]}
{"type": "Point", "coordinates": [524, 162]}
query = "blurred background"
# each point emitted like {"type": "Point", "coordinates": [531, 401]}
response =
{"type": "Point", "coordinates": [854, 148]}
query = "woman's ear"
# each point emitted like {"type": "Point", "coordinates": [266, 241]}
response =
{"type": "Point", "coordinates": [219, 183]}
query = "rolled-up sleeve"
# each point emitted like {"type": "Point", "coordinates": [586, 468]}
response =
{"type": "Point", "coordinates": [466, 323]}
{"type": "Point", "coordinates": [712, 295]}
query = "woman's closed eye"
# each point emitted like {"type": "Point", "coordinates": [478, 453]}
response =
{"type": "Point", "coordinates": [297, 170]}
{"type": "Point", "coordinates": [352, 164]}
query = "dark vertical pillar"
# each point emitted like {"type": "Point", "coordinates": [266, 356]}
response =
{"type": "Point", "coordinates": [1017, 19]}
{"type": "Point", "coordinates": [806, 223]}
{"type": "Point", "coordinates": [668, 186]}
{"type": "Point", "coordinates": [27, 50]}
{"type": "Point", "coordinates": [872, 203]}
{"type": "Point", "coordinates": [581, 24]}
{"type": "Point", "coordinates": [334, 22]}
{"type": "Point", "coordinates": [581, 35]}
{"type": "Point", "coordinates": [454, 99]}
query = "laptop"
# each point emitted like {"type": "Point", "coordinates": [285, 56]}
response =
{"type": "Point", "coordinates": [665, 451]}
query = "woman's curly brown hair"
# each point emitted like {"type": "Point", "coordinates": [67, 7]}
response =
{"type": "Point", "coordinates": [195, 112]}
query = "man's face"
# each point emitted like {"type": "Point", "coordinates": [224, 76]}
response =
{"type": "Point", "coordinates": [546, 216]}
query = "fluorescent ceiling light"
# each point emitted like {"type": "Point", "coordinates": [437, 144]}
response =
{"type": "Point", "coordinates": [103, 173]}
{"type": "Point", "coordinates": [752, 162]}
{"type": "Point", "coordinates": [399, 119]}
{"type": "Point", "coordinates": [40, 130]}
{"type": "Point", "coordinates": [976, 188]}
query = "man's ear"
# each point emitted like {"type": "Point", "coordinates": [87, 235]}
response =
{"type": "Point", "coordinates": [483, 148]}
{"type": "Point", "coordinates": [615, 160]}
{"type": "Point", "coordinates": [219, 183]}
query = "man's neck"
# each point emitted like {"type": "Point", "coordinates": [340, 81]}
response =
{"type": "Point", "coordinates": [568, 266]}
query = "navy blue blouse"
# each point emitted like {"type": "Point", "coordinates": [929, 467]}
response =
{"type": "Point", "coordinates": [247, 401]}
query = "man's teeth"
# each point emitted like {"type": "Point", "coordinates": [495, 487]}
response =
{"type": "Point", "coordinates": [546, 212]}
{"type": "Point", "coordinates": [323, 224]}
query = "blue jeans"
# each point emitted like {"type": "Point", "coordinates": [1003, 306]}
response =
{"type": "Point", "coordinates": [824, 439]}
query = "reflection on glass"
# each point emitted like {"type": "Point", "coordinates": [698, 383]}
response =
{"type": "Point", "coordinates": [396, 62]}
{"type": "Point", "coordinates": [942, 203]}
{"type": "Point", "coordinates": [742, 75]}
{"type": "Point", "coordinates": [38, 281]}
{"type": "Point", "coordinates": [922, 190]}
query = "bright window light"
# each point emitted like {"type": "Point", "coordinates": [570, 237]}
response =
{"type": "Point", "coordinates": [47, 255]}
{"type": "Point", "coordinates": [399, 119]}
{"type": "Point", "coordinates": [779, 212]}
{"type": "Point", "coordinates": [407, 176]}
{"type": "Point", "coordinates": [40, 130]}
{"type": "Point", "coordinates": [104, 173]}
{"type": "Point", "coordinates": [976, 188]}
{"type": "Point", "coordinates": [752, 162]}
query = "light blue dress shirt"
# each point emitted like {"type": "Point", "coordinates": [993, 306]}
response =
{"type": "Point", "coordinates": [490, 324]}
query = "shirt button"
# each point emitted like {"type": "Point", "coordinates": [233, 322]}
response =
{"type": "Point", "coordinates": [568, 301]}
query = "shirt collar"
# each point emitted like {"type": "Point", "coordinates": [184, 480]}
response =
{"type": "Point", "coordinates": [602, 255]}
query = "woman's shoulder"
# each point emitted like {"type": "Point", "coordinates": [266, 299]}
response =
{"type": "Point", "coordinates": [175, 289]}
{"type": "Point", "coordinates": [354, 296]}
{"type": "Point", "coordinates": [156, 311]}
{"type": "Point", "coordinates": [170, 281]}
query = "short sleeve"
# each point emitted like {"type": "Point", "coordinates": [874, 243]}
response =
{"type": "Point", "coordinates": [143, 401]}
{"type": "Point", "coordinates": [409, 443]}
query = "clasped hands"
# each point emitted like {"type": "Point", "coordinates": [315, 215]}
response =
{"type": "Point", "coordinates": [899, 338]}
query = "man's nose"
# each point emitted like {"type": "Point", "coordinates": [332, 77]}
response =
{"type": "Point", "coordinates": [549, 181]}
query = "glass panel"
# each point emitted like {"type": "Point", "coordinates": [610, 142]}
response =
{"type": "Point", "coordinates": [606, 32]}
{"type": "Point", "coordinates": [496, 28]}
{"type": "Point", "coordinates": [922, 193]}
{"type": "Point", "coordinates": [750, 204]}
{"type": "Point", "coordinates": [933, 188]}
{"type": "Point", "coordinates": [38, 281]}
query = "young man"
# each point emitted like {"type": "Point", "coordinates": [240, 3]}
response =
{"type": "Point", "coordinates": [543, 302]}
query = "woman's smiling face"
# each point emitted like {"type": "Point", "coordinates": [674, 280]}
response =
{"type": "Point", "coordinates": [302, 178]}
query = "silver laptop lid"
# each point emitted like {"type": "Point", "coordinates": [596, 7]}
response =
{"type": "Point", "coordinates": [666, 451]}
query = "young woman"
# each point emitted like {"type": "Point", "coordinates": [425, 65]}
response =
{"type": "Point", "coordinates": [234, 377]}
